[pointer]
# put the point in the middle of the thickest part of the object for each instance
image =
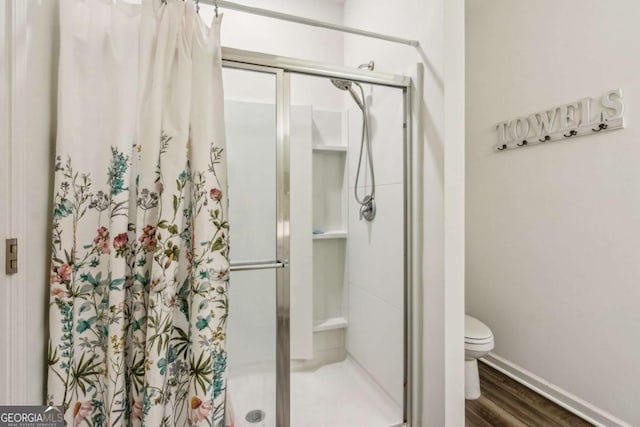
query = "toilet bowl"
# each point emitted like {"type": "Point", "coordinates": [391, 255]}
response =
{"type": "Point", "coordinates": [478, 341]}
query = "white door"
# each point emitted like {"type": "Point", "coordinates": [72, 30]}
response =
{"type": "Point", "coordinates": [5, 288]}
{"type": "Point", "coordinates": [28, 64]}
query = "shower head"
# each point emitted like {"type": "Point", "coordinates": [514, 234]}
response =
{"type": "Point", "coordinates": [341, 84]}
{"type": "Point", "coordinates": [347, 85]}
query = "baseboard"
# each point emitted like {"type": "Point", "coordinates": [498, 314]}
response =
{"type": "Point", "coordinates": [571, 403]}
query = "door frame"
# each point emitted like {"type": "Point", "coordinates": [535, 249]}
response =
{"type": "Point", "coordinates": [282, 236]}
{"type": "Point", "coordinates": [282, 68]}
{"type": "Point", "coordinates": [13, 203]}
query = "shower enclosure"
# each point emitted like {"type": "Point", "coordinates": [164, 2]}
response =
{"type": "Point", "coordinates": [320, 300]}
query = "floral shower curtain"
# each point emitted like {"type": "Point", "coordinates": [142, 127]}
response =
{"type": "Point", "coordinates": [139, 269]}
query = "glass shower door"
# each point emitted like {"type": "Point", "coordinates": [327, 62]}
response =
{"type": "Point", "coordinates": [251, 133]}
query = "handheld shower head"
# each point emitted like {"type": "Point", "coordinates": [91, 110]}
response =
{"type": "Point", "coordinates": [347, 85]}
{"type": "Point", "coordinates": [341, 84]}
{"type": "Point", "coordinates": [367, 203]}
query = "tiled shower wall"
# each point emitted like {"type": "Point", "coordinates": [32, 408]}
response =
{"type": "Point", "coordinates": [376, 249]}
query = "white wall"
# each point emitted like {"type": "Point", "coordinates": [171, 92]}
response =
{"type": "Point", "coordinates": [454, 209]}
{"type": "Point", "coordinates": [553, 230]}
{"type": "Point", "coordinates": [254, 33]}
{"type": "Point", "coordinates": [424, 21]}
{"type": "Point", "coordinates": [376, 248]}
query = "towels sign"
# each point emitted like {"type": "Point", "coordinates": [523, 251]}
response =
{"type": "Point", "coordinates": [584, 117]}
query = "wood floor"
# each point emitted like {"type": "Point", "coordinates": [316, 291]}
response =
{"type": "Point", "coordinates": [505, 402]}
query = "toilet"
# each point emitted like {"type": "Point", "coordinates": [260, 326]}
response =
{"type": "Point", "coordinates": [478, 341]}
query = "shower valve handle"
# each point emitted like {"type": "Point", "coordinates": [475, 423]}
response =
{"type": "Point", "coordinates": [368, 209]}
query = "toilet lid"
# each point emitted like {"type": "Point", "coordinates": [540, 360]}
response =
{"type": "Point", "coordinates": [475, 330]}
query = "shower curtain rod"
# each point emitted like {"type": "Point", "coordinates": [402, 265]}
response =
{"type": "Point", "coordinates": [306, 21]}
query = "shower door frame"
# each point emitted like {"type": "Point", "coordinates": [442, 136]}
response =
{"type": "Point", "coordinates": [282, 68]}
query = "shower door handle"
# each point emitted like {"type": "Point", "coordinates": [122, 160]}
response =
{"type": "Point", "coordinates": [258, 265]}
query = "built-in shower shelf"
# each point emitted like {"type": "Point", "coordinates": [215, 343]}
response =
{"type": "Point", "coordinates": [330, 235]}
{"type": "Point", "coordinates": [330, 324]}
{"type": "Point", "coordinates": [333, 148]}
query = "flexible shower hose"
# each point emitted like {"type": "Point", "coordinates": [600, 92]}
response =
{"type": "Point", "coordinates": [365, 137]}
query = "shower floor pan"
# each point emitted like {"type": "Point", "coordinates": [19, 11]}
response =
{"type": "Point", "coordinates": [336, 395]}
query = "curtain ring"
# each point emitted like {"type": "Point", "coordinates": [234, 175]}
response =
{"type": "Point", "coordinates": [215, 7]}
{"type": "Point", "coordinates": [198, 6]}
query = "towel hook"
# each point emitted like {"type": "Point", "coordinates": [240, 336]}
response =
{"type": "Point", "coordinates": [602, 125]}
